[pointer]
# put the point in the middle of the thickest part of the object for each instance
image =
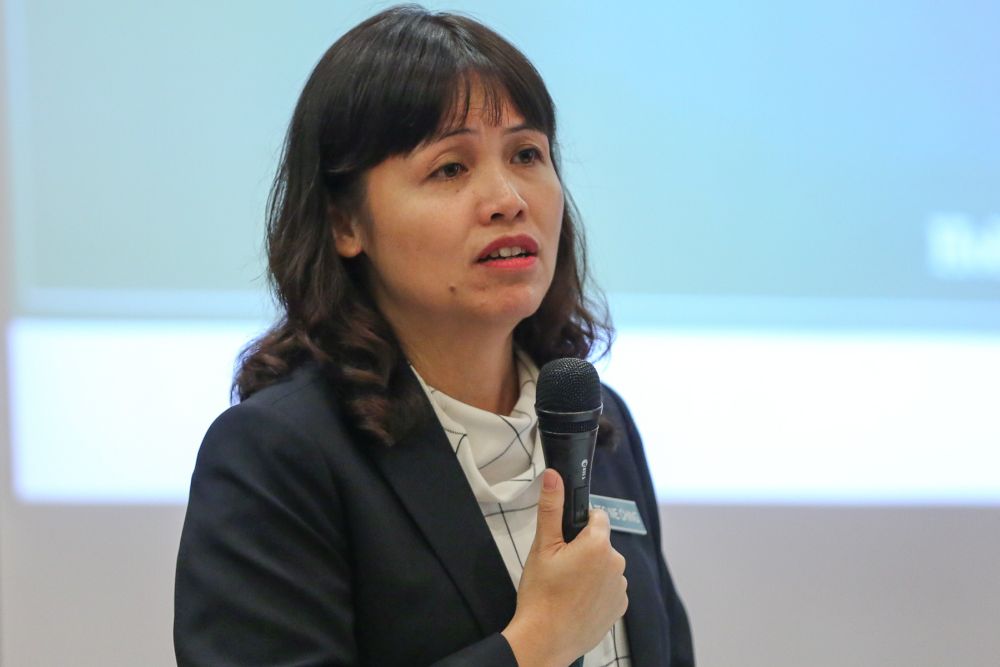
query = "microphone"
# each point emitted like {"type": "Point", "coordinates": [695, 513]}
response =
{"type": "Point", "coordinates": [568, 404]}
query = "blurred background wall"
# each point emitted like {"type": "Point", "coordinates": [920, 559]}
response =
{"type": "Point", "coordinates": [794, 213]}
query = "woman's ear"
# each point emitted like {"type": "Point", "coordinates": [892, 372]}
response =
{"type": "Point", "coordinates": [347, 236]}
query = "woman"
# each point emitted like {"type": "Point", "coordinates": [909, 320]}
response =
{"type": "Point", "coordinates": [377, 498]}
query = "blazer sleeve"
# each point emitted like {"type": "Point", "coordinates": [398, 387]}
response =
{"type": "Point", "coordinates": [681, 644]}
{"type": "Point", "coordinates": [263, 570]}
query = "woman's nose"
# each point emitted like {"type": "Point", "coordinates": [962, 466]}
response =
{"type": "Point", "coordinates": [500, 199]}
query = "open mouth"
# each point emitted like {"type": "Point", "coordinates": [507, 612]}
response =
{"type": "Point", "coordinates": [506, 253]}
{"type": "Point", "coordinates": [514, 251]}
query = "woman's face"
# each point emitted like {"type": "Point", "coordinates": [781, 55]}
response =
{"type": "Point", "coordinates": [462, 231]}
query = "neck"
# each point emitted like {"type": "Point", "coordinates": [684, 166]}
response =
{"type": "Point", "coordinates": [476, 368]}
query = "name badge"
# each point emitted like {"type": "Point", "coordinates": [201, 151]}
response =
{"type": "Point", "coordinates": [624, 514]}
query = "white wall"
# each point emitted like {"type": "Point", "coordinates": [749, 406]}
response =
{"type": "Point", "coordinates": [836, 586]}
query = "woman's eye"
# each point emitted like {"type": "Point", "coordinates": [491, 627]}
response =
{"type": "Point", "coordinates": [528, 155]}
{"type": "Point", "coordinates": [450, 170]}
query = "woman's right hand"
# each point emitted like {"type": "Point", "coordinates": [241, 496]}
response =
{"type": "Point", "coordinates": [570, 593]}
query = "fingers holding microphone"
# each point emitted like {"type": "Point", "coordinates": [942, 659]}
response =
{"type": "Point", "coordinates": [599, 526]}
{"type": "Point", "coordinates": [570, 593]}
{"type": "Point", "coordinates": [599, 537]}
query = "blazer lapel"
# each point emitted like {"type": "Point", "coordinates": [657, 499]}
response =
{"type": "Point", "coordinates": [426, 476]}
{"type": "Point", "coordinates": [423, 471]}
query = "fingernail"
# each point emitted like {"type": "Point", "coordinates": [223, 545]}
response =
{"type": "Point", "coordinates": [548, 480]}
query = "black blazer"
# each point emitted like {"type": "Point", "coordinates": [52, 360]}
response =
{"type": "Point", "coordinates": [304, 546]}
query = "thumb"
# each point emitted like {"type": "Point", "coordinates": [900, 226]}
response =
{"type": "Point", "coordinates": [548, 529]}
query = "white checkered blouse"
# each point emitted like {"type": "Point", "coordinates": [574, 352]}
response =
{"type": "Point", "coordinates": [502, 459]}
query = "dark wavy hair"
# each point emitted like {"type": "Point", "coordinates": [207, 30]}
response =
{"type": "Point", "coordinates": [382, 89]}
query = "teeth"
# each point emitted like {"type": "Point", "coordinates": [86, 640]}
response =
{"type": "Point", "coordinates": [507, 252]}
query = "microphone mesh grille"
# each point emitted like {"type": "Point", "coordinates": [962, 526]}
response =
{"type": "Point", "coordinates": [568, 385]}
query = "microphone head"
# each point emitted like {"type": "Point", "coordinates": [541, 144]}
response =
{"type": "Point", "coordinates": [568, 387]}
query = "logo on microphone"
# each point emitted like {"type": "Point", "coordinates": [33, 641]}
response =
{"type": "Point", "coordinates": [583, 469]}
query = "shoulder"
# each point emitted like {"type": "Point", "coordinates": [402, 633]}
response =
{"type": "Point", "coordinates": [294, 396]}
{"type": "Point", "coordinates": [630, 453]}
{"type": "Point", "coordinates": [303, 399]}
{"type": "Point", "coordinates": [628, 448]}
{"type": "Point", "coordinates": [289, 421]}
{"type": "Point", "coordinates": [617, 413]}
{"type": "Point", "coordinates": [614, 406]}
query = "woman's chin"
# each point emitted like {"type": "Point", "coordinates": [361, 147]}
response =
{"type": "Point", "coordinates": [509, 310]}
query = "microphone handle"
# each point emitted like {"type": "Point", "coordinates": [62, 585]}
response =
{"type": "Point", "coordinates": [571, 455]}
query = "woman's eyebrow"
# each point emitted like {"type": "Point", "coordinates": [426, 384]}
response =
{"type": "Point", "coordinates": [521, 128]}
{"type": "Point", "coordinates": [456, 131]}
